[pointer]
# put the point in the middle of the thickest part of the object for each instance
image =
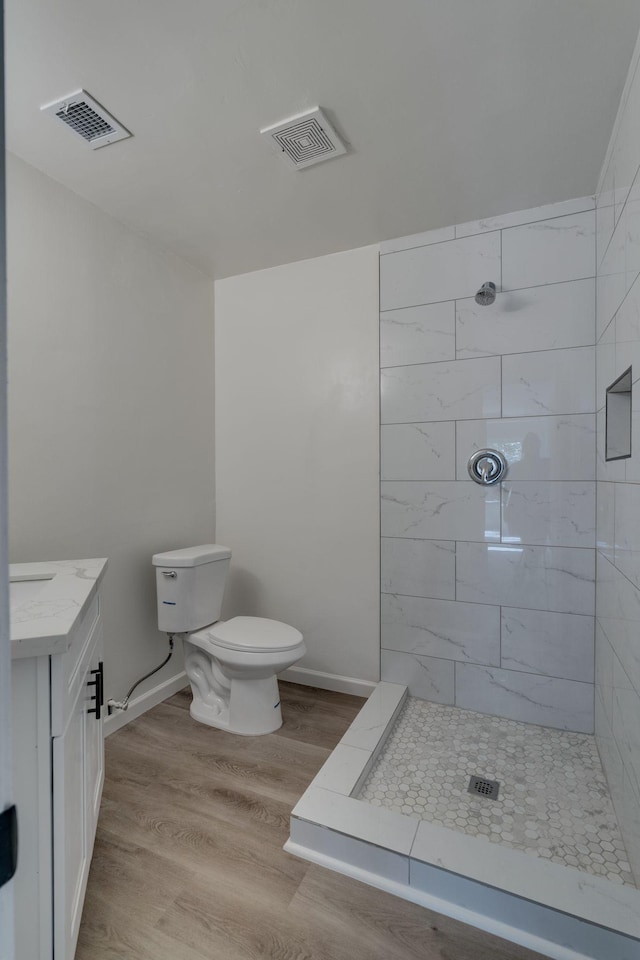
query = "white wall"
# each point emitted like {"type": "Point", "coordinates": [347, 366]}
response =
{"type": "Point", "coordinates": [618, 533]}
{"type": "Point", "coordinates": [110, 406]}
{"type": "Point", "coordinates": [488, 593]}
{"type": "Point", "coordinates": [297, 452]}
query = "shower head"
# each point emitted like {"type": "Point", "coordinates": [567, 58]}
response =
{"type": "Point", "coordinates": [486, 294]}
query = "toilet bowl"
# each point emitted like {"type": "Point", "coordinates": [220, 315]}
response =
{"type": "Point", "coordinates": [232, 669]}
{"type": "Point", "coordinates": [231, 665]}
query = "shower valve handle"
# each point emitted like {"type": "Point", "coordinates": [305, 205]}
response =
{"type": "Point", "coordinates": [487, 467]}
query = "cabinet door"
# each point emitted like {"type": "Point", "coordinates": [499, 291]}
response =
{"type": "Point", "coordinates": [32, 784]}
{"type": "Point", "coordinates": [77, 783]}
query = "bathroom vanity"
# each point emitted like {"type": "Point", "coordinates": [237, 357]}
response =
{"type": "Point", "coordinates": [57, 691]}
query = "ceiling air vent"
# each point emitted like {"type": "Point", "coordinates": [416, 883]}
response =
{"type": "Point", "coordinates": [305, 139]}
{"type": "Point", "coordinates": [86, 117]}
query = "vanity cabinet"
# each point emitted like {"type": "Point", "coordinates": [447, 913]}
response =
{"type": "Point", "coordinates": [59, 772]}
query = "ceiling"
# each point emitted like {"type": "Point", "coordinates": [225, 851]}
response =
{"type": "Point", "coordinates": [453, 110]}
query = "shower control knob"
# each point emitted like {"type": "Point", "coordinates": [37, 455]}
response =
{"type": "Point", "coordinates": [487, 466]}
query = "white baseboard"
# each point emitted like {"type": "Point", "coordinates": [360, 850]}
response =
{"type": "Point", "coordinates": [329, 681]}
{"type": "Point", "coordinates": [144, 702]}
{"type": "Point", "coordinates": [309, 678]}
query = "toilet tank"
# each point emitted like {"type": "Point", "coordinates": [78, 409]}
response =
{"type": "Point", "coordinates": [190, 586]}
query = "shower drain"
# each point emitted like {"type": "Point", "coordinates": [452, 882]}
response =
{"type": "Point", "coordinates": [485, 788]}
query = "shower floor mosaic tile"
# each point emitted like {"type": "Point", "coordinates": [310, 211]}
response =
{"type": "Point", "coordinates": [553, 801]}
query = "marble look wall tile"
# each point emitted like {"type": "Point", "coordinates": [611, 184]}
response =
{"type": "Point", "coordinates": [611, 281]}
{"type": "Point", "coordinates": [609, 755]}
{"type": "Point", "coordinates": [418, 568]}
{"type": "Point", "coordinates": [423, 334]}
{"type": "Point", "coordinates": [418, 451]}
{"type": "Point", "coordinates": [628, 316]}
{"type": "Point", "coordinates": [618, 612]}
{"type": "Point", "coordinates": [605, 216]}
{"type": "Point", "coordinates": [551, 513]}
{"type": "Point", "coordinates": [417, 240]}
{"type": "Point", "coordinates": [549, 210]}
{"type": "Point", "coordinates": [603, 676]}
{"type": "Point", "coordinates": [441, 628]}
{"type": "Point", "coordinates": [607, 470]}
{"type": "Point", "coordinates": [558, 579]}
{"type": "Point", "coordinates": [565, 704]}
{"type": "Point", "coordinates": [425, 677]}
{"type": "Point", "coordinates": [537, 318]}
{"type": "Point", "coordinates": [626, 723]}
{"type": "Point", "coordinates": [605, 519]}
{"type": "Point", "coordinates": [441, 271]}
{"type": "Point", "coordinates": [605, 364]}
{"type": "Point", "coordinates": [536, 448]}
{"type": "Point", "coordinates": [550, 644]}
{"type": "Point", "coordinates": [627, 530]}
{"type": "Point", "coordinates": [627, 340]}
{"type": "Point", "coordinates": [631, 215]}
{"type": "Point", "coordinates": [460, 390]}
{"type": "Point", "coordinates": [549, 251]}
{"type": "Point", "coordinates": [630, 822]}
{"type": "Point", "coordinates": [549, 382]}
{"type": "Point", "coordinates": [440, 510]}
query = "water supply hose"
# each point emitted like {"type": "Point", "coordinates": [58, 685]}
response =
{"type": "Point", "coordinates": [123, 704]}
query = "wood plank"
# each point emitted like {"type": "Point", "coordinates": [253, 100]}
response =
{"type": "Point", "coordinates": [111, 933]}
{"type": "Point", "coordinates": [218, 852]}
{"type": "Point", "coordinates": [278, 768]}
{"type": "Point", "coordinates": [126, 870]}
{"type": "Point", "coordinates": [245, 794]}
{"type": "Point", "coordinates": [352, 920]}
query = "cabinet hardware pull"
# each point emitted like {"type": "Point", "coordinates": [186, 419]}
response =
{"type": "Point", "coordinates": [98, 683]}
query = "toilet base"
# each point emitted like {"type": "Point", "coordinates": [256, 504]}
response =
{"type": "Point", "coordinates": [251, 708]}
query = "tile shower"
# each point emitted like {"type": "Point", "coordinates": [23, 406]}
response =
{"type": "Point", "coordinates": [488, 592]}
{"type": "Point", "coordinates": [488, 601]}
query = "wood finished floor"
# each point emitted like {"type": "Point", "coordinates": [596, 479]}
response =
{"type": "Point", "coordinates": [188, 861]}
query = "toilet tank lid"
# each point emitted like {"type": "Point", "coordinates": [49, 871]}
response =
{"type": "Point", "coordinates": [191, 556]}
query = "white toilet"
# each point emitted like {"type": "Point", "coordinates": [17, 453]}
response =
{"type": "Point", "coordinates": [231, 665]}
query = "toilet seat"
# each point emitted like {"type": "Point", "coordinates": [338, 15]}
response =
{"type": "Point", "coordinates": [254, 635]}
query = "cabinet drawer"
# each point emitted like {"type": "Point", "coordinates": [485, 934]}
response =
{"type": "Point", "coordinates": [68, 669]}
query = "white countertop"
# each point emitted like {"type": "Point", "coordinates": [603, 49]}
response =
{"type": "Point", "coordinates": [45, 622]}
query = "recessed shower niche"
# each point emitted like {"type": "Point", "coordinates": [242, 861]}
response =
{"type": "Point", "coordinates": [618, 418]}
